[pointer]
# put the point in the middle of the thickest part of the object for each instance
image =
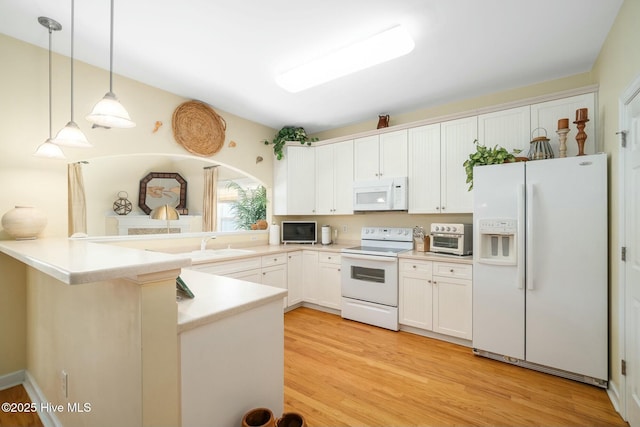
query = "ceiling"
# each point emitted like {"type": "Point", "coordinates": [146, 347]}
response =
{"type": "Point", "coordinates": [228, 52]}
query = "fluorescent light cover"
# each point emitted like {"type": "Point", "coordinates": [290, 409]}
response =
{"type": "Point", "coordinates": [381, 47]}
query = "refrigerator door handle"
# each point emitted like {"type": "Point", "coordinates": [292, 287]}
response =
{"type": "Point", "coordinates": [520, 236]}
{"type": "Point", "coordinates": [529, 243]}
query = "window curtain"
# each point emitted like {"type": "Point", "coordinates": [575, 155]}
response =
{"type": "Point", "coordinates": [76, 199]}
{"type": "Point", "coordinates": [210, 200]}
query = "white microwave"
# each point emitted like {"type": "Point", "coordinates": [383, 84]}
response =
{"type": "Point", "coordinates": [385, 194]}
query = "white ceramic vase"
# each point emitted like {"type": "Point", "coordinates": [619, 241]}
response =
{"type": "Point", "coordinates": [24, 222]}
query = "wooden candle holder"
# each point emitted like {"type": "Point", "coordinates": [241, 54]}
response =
{"type": "Point", "coordinates": [581, 137]}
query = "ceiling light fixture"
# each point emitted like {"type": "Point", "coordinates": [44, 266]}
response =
{"type": "Point", "coordinates": [108, 112]}
{"type": "Point", "coordinates": [48, 149]}
{"type": "Point", "coordinates": [379, 48]}
{"type": "Point", "coordinates": [71, 135]}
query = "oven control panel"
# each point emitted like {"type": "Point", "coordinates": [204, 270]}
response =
{"type": "Point", "coordinates": [398, 234]}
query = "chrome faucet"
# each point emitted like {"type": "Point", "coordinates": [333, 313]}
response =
{"type": "Point", "coordinates": [203, 242]}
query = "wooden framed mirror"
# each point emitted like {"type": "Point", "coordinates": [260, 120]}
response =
{"type": "Point", "coordinates": [162, 188]}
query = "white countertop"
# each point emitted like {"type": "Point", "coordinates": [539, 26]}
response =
{"type": "Point", "coordinates": [433, 256]}
{"type": "Point", "coordinates": [79, 261]}
{"type": "Point", "coordinates": [217, 297]}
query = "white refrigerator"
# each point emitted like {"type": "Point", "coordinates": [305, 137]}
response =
{"type": "Point", "coordinates": [540, 285]}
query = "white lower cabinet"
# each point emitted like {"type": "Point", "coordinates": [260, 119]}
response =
{"type": "Point", "coordinates": [274, 272]}
{"type": "Point", "coordinates": [294, 278]}
{"type": "Point", "coordinates": [329, 287]}
{"type": "Point", "coordinates": [310, 280]}
{"type": "Point", "coordinates": [436, 296]}
{"type": "Point", "coordinates": [416, 288]}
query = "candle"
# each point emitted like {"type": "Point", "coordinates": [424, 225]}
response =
{"type": "Point", "coordinates": [563, 124]}
{"type": "Point", "coordinates": [581, 114]}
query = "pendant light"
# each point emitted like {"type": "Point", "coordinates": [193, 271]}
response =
{"type": "Point", "coordinates": [71, 135]}
{"type": "Point", "coordinates": [48, 149]}
{"type": "Point", "coordinates": [108, 112]}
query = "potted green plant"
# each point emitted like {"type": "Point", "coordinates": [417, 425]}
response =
{"type": "Point", "coordinates": [485, 156]}
{"type": "Point", "coordinates": [288, 133]}
{"type": "Point", "coordinates": [250, 209]}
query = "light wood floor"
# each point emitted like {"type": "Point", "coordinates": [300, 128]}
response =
{"type": "Point", "coordinates": [14, 395]}
{"type": "Point", "coordinates": [344, 373]}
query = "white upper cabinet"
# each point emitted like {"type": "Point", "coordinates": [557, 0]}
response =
{"type": "Point", "coordinates": [334, 178]}
{"type": "Point", "coordinates": [381, 156]}
{"type": "Point", "coordinates": [437, 180]}
{"type": "Point", "coordinates": [510, 129]}
{"type": "Point", "coordinates": [546, 115]}
{"type": "Point", "coordinates": [456, 143]}
{"type": "Point", "coordinates": [294, 180]}
{"type": "Point", "coordinates": [424, 169]}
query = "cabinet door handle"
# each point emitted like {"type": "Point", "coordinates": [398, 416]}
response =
{"type": "Point", "coordinates": [451, 270]}
{"type": "Point", "coordinates": [437, 208]}
{"type": "Point", "coordinates": [428, 281]}
{"type": "Point", "coordinates": [414, 266]}
{"type": "Point", "coordinates": [443, 208]}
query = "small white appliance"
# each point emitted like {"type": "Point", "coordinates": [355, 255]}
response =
{"type": "Point", "coordinates": [370, 276]}
{"type": "Point", "coordinates": [453, 239]}
{"type": "Point", "coordinates": [326, 235]}
{"type": "Point", "coordinates": [540, 284]}
{"type": "Point", "coordinates": [384, 194]}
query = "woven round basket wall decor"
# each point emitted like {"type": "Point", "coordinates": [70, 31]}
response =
{"type": "Point", "coordinates": [198, 128]}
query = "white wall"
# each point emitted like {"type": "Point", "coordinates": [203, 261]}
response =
{"type": "Point", "coordinates": [25, 124]}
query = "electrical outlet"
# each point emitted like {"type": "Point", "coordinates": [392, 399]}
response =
{"type": "Point", "coordinates": [64, 383]}
{"type": "Point", "coordinates": [344, 228]}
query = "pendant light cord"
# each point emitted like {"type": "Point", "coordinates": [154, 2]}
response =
{"type": "Point", "coordinates": [72, 25]}
{"type": "Point", "coordinates": [111, 53]}
{"type": "Point", "coordinates": [50, 119]}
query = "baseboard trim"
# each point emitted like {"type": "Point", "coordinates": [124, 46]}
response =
{"type": "Point", "coordinates": [614, 396]}
{"type": "Point", "coordinates": [12, 379]}
{"type": "Point", "coordinates": [435, 335]}
{"type": "Point", "coordinates": [48, 419]}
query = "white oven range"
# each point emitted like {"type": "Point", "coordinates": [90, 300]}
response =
{"type": "Point", "coordinates": [370, 276]}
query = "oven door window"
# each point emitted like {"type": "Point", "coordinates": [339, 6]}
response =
{"type": "Point", "coordinates": [366, 274]}
{"type": "Point", "coordinates": [445, 242]}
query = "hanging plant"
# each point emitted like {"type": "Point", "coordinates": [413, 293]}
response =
{"type": "Point", "coordinates": [485, 156]}
{"type": "Point", "coordinates": [288, 133]}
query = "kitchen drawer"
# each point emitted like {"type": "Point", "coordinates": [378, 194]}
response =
{"type": "Point", "coordinates": [328, 258]}
{"type": "Point", "coordinates": [275, 259]}
{"type": "Point", "coordinates": [416, 267]}
{"type": "Point", "coordinates": [228, 267]}
{"type": "Point", "coordinates": [458, 271]}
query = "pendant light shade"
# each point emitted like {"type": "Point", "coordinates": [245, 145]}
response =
{"type": "Point", "coordinates": [108, 112]}
{"type": "Point", "coordinates": [48, 149]}
{"type": "Point", "coordinates": [71, 135]}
